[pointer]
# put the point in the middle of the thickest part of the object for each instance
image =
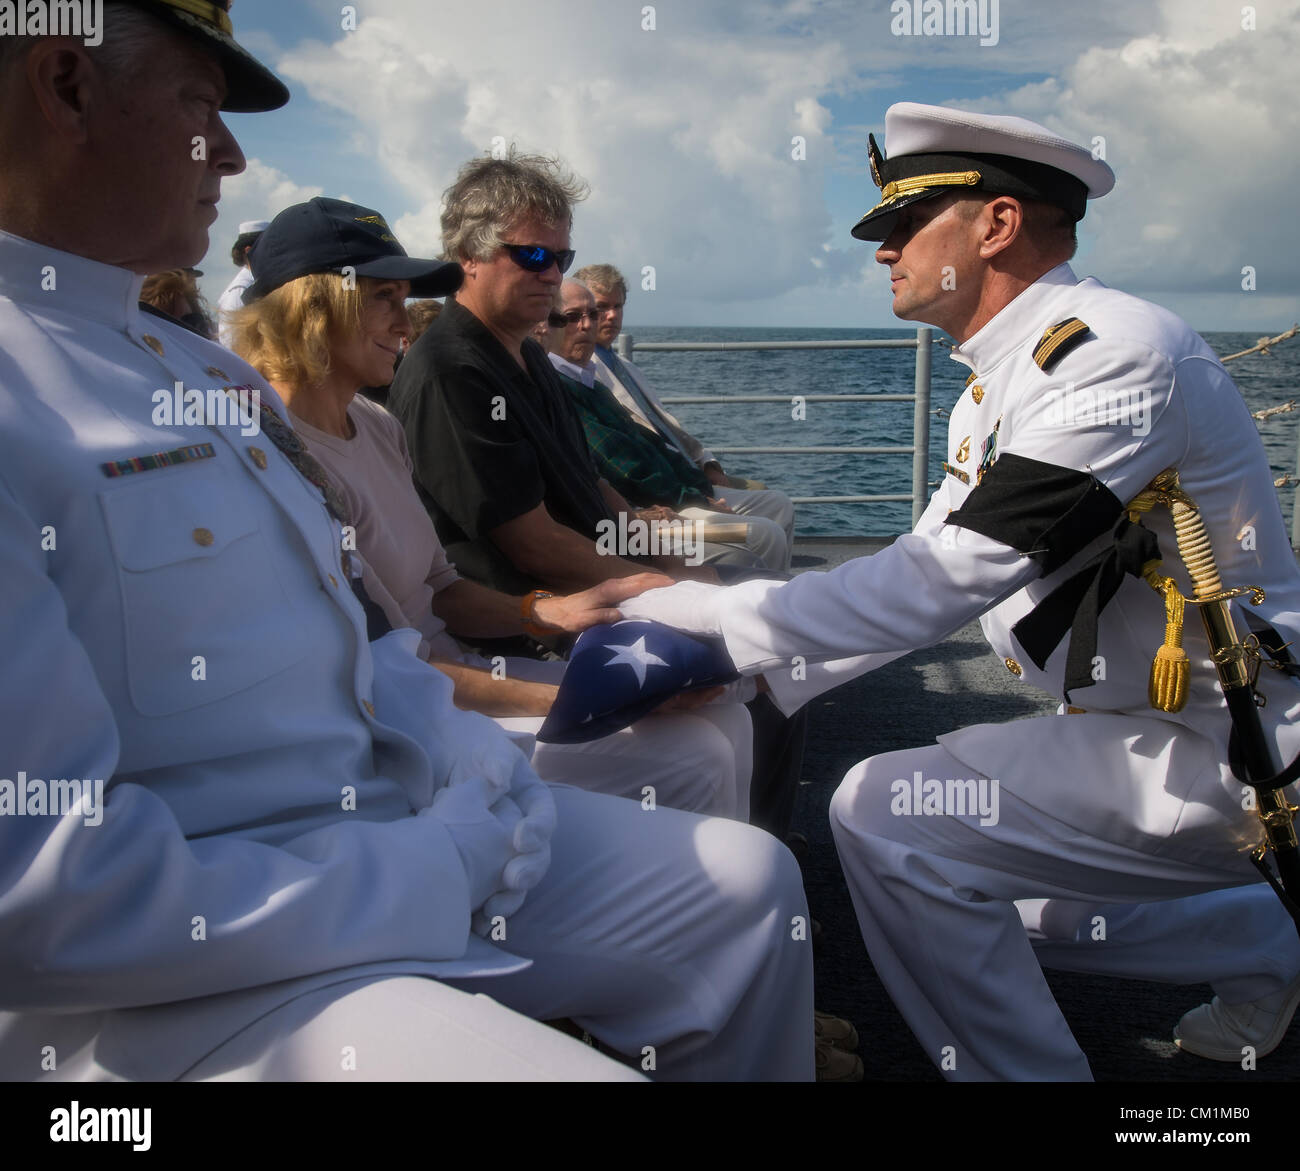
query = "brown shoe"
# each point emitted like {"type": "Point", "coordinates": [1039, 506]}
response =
{"type": "Point", "coordinates": [834, 1065]}
{"type": "Point", "coordinates": [835, 1031]}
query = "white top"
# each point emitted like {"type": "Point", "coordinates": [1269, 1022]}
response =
{"type": "Point", "coordinates": [230, 300]}
{"type": "Point", "coordinates": [186, 634]}
{"type": "Point", "coordinates": [405, 563]}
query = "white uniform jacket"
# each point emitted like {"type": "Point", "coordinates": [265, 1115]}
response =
{"type": "Point", "coordinates": [1144, 394]}
{"type": "Point", "coordinates": [230, 300]}
{"type": "Point", "coordinates": [187, 635]}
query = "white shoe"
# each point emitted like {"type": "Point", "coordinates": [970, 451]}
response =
{"type": "Point", "coordinates": [1220, 1031]}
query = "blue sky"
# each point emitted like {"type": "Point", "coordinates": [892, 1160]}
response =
{"type": "Point", "coordinates": [685, 133]}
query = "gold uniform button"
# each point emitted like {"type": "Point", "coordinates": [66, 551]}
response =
{"type": "Point", "coordinates": [1012, 666]}
{"type": "Point", "coordinates": [154, 344]}
{"type": "Point", "coordinates": [258, 456]}
{"type": "Point", "coordinates": [977, 393]}
{"type": "Point", "coordinates": [334, 581]}
{"type": "Point", "coordinates": [203, 537]}
{"type": "Point", "coordinates": [370, 708]}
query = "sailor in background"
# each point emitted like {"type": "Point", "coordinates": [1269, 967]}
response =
{"type": "Point", "coordinates": [250, 231]}
{"type": "Point", "coordinates": [1079, 396]}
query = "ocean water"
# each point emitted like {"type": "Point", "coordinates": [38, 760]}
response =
{"type": "Point", "coordinates": [1264, 381]}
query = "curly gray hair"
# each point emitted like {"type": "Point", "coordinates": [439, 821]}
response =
{"type": "Point", "coordinates": [493, 195]}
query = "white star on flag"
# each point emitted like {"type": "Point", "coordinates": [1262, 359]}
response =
{"type": "Point", "coordinates": [636, 657]}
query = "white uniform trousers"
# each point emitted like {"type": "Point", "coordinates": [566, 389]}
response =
{"type": "Point", "coordinates": [1240, 940]}
{"type": "Point", "coordinates": [700, 761]}
{"type": "Point", "coordinates": [679, 941]}
{"type": "Point", "coordinates": [936, 902]}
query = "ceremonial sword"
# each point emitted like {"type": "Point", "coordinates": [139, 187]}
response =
{"type": "Point", "coordinates": [1237, 664]}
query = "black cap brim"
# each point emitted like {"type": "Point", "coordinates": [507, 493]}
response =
{"type": "Point", "coordinates": [880, 220]}
{"type": "Point", "coordinates": [251, 88]}
{"type": "Point", "coordinates": [429, 278]}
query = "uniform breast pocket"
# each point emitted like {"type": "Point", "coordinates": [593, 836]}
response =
{"type": "Point", "coordinates": [204, 613]}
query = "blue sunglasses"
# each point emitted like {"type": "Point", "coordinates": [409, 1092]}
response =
{"type": "Point", "coordinates": [535, 258]}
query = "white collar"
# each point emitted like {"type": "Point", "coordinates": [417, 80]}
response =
{"type": "Point", "coordinates": [584, 374]}
{"type": "Point", "coordinates": [35, 274]}
{"type": "Point", "coordinates": [1013, 324]}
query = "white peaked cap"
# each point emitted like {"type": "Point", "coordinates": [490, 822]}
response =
{"type": "Point", "coordinates": [934, 150]}
{"type": "Point", "coordinates": [912, 128]}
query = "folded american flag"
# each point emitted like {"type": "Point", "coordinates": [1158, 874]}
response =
{"type": "Point", "coordinates": [619, 672]}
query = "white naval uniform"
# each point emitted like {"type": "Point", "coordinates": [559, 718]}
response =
{"type": "Point", "coordinates": [758, 502]}
{"type": "Point", "coordinates": [187, 635]}
{"type": "Point", "coordinates": [230, 300]}
{"type": "Point", "coordinates": [1119, 805]}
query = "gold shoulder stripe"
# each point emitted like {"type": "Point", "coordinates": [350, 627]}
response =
{"type": "Point", "coordinates": [1058, 341]}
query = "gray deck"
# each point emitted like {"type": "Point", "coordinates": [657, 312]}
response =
{"type": "Point", "coordinates": [1122, 1025]}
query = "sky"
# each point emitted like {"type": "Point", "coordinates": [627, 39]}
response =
{"type": "Point", "coordinates": [724, 141]}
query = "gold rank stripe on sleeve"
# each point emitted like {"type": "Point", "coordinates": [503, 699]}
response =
{"type": "Point", "coordinates": [1058, 341]}
{"type": "Point", "coordinates": [159, 459]}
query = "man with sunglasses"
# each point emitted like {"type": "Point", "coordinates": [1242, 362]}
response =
{"type": "Point", "coordinates": [500, 458]}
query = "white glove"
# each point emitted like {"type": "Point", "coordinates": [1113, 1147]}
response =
{"type": "Point", "coordinates": [692, 606]}
{"type": "Point", "coordinates": [483, 839]}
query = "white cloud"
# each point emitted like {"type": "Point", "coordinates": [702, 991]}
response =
{"type": "Point", "coordinates": [685, 133]}
{"type": "Point", "coordinates": [1199, 119]}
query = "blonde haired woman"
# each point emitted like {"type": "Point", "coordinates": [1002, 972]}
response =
{"type": "Point", "coordinates": [325, 317]}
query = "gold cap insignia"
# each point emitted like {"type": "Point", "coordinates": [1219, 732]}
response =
{"type": "Point", "coordinates": [873, 154]}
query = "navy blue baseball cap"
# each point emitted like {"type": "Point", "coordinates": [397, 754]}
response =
{"type": "Point", "coordinates": [329, 235]}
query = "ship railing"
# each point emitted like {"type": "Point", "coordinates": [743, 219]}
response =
{"type": "Point", "coordinates": [919, 449]}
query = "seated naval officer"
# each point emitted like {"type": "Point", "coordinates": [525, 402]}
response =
{"type": "Point", "coordinates": [317, 339]}
{"type": "Point", "coordinates": [1079, 398]}
{"type": "Point", "coordinates": [269, 832]}
{"type": "Point", "coordinates": [637, 462]}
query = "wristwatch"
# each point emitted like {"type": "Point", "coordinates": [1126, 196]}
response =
{"type": "Point", "coordinates": [528, 612]}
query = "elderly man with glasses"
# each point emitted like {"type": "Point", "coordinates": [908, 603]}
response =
{"type": "Point", "coordinates": [639, 464]}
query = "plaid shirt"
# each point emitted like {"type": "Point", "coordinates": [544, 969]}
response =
{"type": "Point", "coordinates": [636, 462]}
